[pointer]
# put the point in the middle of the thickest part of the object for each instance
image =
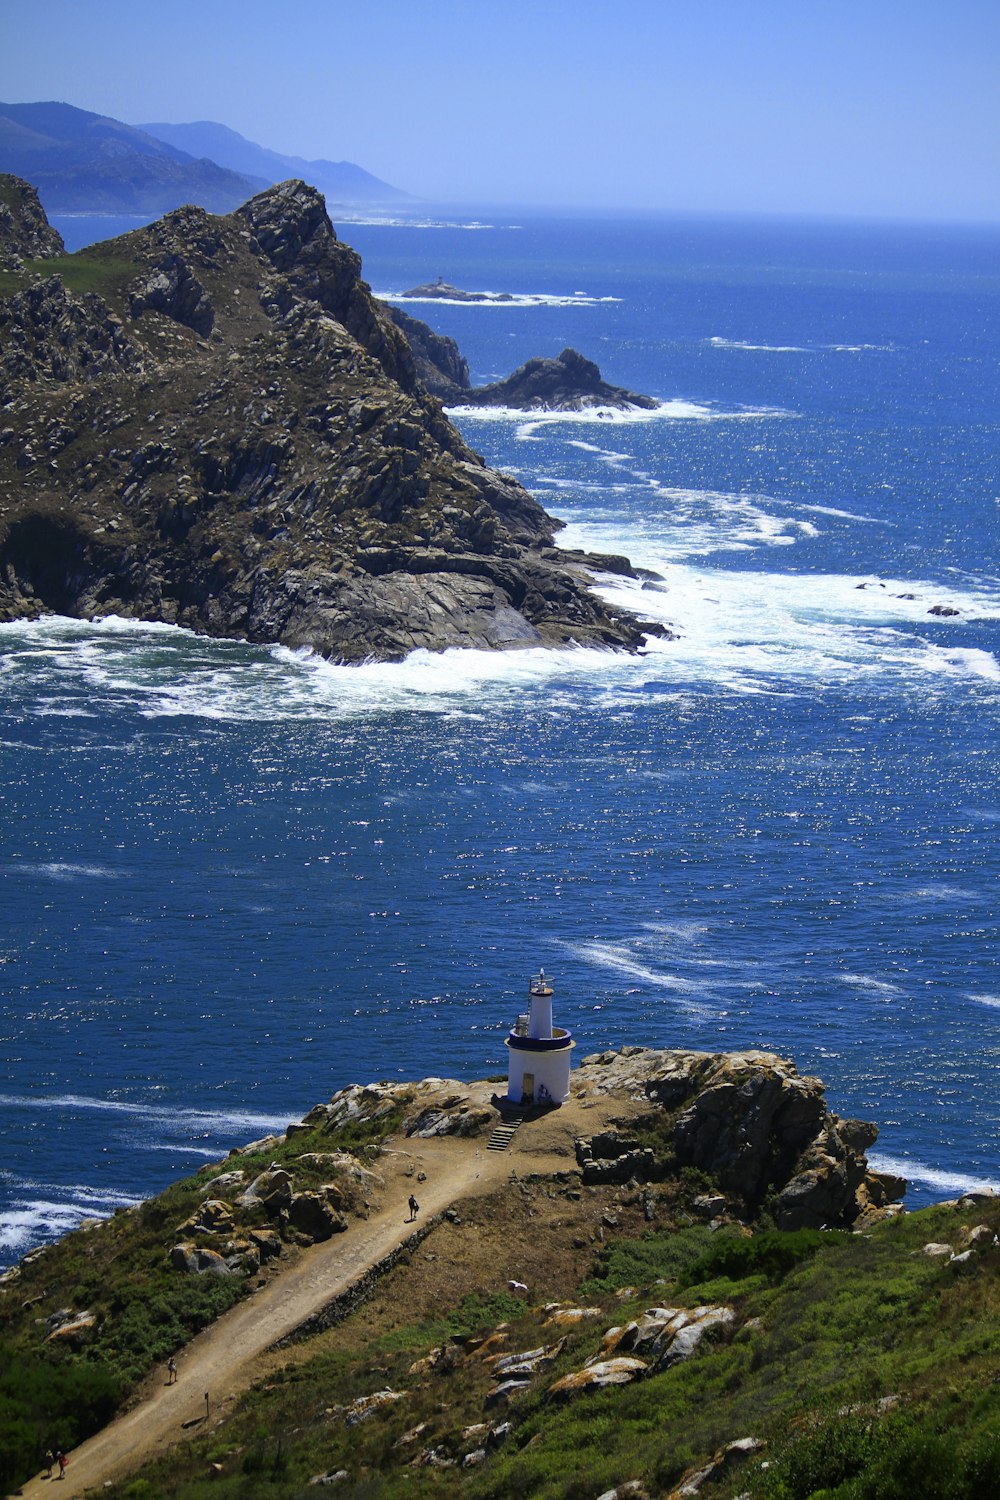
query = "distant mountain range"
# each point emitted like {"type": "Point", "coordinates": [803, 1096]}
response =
{"type": "Point", "coordinates": [339, 181]}
{"type": "Point", "coordinates": [82, 162]}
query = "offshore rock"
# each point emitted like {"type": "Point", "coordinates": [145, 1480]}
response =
{"type": "Point", "coordinates": [567, 383]}
{"type": "Point", "coordinates": [230, 434]}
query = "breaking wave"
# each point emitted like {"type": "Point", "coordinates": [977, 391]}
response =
{"type": "Point", "coordinates": [501, 299]}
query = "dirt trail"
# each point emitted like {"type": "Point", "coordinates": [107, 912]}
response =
{"type": "Point", "coordinates": [221, 1360]}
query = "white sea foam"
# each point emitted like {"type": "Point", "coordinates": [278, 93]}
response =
{"type": "Point", "coordinates": [992, 1001]}
{"type": "Point", "coordinates": [871, 985]}
{"type": "Point", "coordinates": [31, 1219]}
{"type": "Point", "coordinates": [502, 299]}
{"type": "Point", "coordinates": [397, 221]}
{"type": "Point", "coordinates": [71, 871]}
{"type": "Point", "coordinates": [618, 958]}
{"type": "Point", "coordinates": [674, 410]}
{"type": "Point", "coordinates": [942, 1180]}
{"type": "Point", "coordinates": [221, 1121]}
{"type": "Point", "coordinates": [721, 343]}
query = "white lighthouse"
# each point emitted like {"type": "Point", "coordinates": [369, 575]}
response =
{"type": "Point", "coordinates": [539, 1053]}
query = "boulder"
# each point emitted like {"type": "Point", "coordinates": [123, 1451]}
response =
{"type": "Point", "coordinates": [343, 1162]}
{"type": "Point", "coordinates": [242, 1255]}
{"type": "Point", "coordinates": [267, 1241]}
{"type": "Point", "coordinates": [365, 1407]}
{"type": "Point", "coordinates": [196, 1261]}
{"type": "Point", "coordinates": [562, 1315]}
{"type": "Point", "coordinates": [73, 1330]}
{"type": "Point", "coordinates": [505, 1392]}
{"type": "Point", "coordinates": [687, 1338]}
{"type": "Point", "coordinates": [225, 1182]}
{"type": "Point", "coordinates": [527, 1364]}
{"type": "Point", "coordinates": [598, 1376]}
{"type": "Point", "coordinates": [460, 1122]}
{"type": "Point", "coordinates": [272, 1190]}
{"type": "Point", "coordinates": [719, 1466]}
{"type": "Point", "coordinates": [311, 1214]}
{"type": "Point", "coordinates": [215, 1216]}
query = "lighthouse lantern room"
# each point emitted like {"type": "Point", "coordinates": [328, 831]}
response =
{"type": "Point", "coordinates": [538, 1052]}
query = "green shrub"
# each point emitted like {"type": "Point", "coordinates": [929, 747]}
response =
{"type": "Point", "coordinates": [49, 1402]}
{"type": "Point", "coordinates": [772, 1254]}
{"type": "Point", "coordinates": [474, 1312]}
{"type": "Point", "coordinates": [659, 1255]}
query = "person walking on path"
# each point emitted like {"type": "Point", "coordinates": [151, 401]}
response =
{"type": "Point", "coordinates": [62, 1461]}
{"type": "Point", "coordinates": [50, 1459]}
{"type": "Point", "coordinates": [414, 1208]}
{"type": "Point", "coordinates": [171, 1371]}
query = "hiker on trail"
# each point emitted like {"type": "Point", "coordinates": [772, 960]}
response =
{"type": "Point", "coordinates": [62, 1461]}
{"type": "Point", "coordinates": [414, 1208]}
{"type": "Point", "coordinates": [50, 1459]}
{"type": "Point", "coordinates": [171, 1371]}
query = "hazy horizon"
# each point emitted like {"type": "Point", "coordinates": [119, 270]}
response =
{"type": "Point", "coordinates": [885, 112]}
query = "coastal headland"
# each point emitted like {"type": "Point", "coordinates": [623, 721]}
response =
{"type": "Point", "coordinates": [211, 422]}
{"type": "Point", "coordinates": [293, 1234]}
{"type": "Point", "coordinates": [686, 1280]}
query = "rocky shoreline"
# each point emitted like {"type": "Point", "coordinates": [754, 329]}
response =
{"type": "Point", "coordinates": [211, 422]}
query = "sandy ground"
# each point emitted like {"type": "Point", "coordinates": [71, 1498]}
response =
{"type": "Point", "coordinates": [228, 1356]}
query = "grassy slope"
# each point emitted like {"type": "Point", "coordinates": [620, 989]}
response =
{"type": "Point", "coordinates": [56, 1396]}
{"type": "Point", "coordinates": [85, 271]}
{"type": "Point", "coordinates": [852, 1322]}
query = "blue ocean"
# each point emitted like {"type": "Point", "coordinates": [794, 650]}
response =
{"type": "Point", "coordinates": [236, 879]}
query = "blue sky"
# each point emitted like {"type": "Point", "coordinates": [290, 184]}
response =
{"type": "Point", "coordinates": [887, 108]}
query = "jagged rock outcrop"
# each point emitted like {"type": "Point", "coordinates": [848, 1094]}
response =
{"type": "Point", "coordinates": [440, 364]}
{"type": "Point", "coordinates": [229, 433]}
{"type": "Point", "coordinates": [750, 1122]}
{"type": "Point", "coordinates": [25, 232]}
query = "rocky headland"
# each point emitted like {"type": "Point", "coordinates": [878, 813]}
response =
{"type": "Point", "coordinates": [683, 1279]}
{"type": "Point", "coordinates": [212, 422]}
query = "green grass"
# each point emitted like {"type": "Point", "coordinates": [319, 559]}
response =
{"type": "Point", "coordinates": [80, 273]}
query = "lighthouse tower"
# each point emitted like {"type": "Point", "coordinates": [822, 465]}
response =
{"type": "Point", "coordinates": [539, 1053]}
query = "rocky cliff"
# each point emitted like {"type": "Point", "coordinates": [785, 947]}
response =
{"type": "Point", "coordinates": [211, 421]}
{"type": "Point", "coordinates": [25, 232]}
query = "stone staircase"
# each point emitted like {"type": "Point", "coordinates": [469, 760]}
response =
{"type": "Point", "coordinates": [503, 1132]}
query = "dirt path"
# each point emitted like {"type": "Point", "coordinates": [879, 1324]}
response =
{"type": "Point", "coordinates": [222, 1359]}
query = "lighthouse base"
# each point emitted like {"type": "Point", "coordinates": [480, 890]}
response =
{"type": "Point", "coordinates": [536, 1075]}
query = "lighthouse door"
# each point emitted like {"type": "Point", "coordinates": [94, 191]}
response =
{"type": "Point", "coordinates": [528, 1089]}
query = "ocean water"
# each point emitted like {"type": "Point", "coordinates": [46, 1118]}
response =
{"type": "Point", "coordinates": [236, 879]}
